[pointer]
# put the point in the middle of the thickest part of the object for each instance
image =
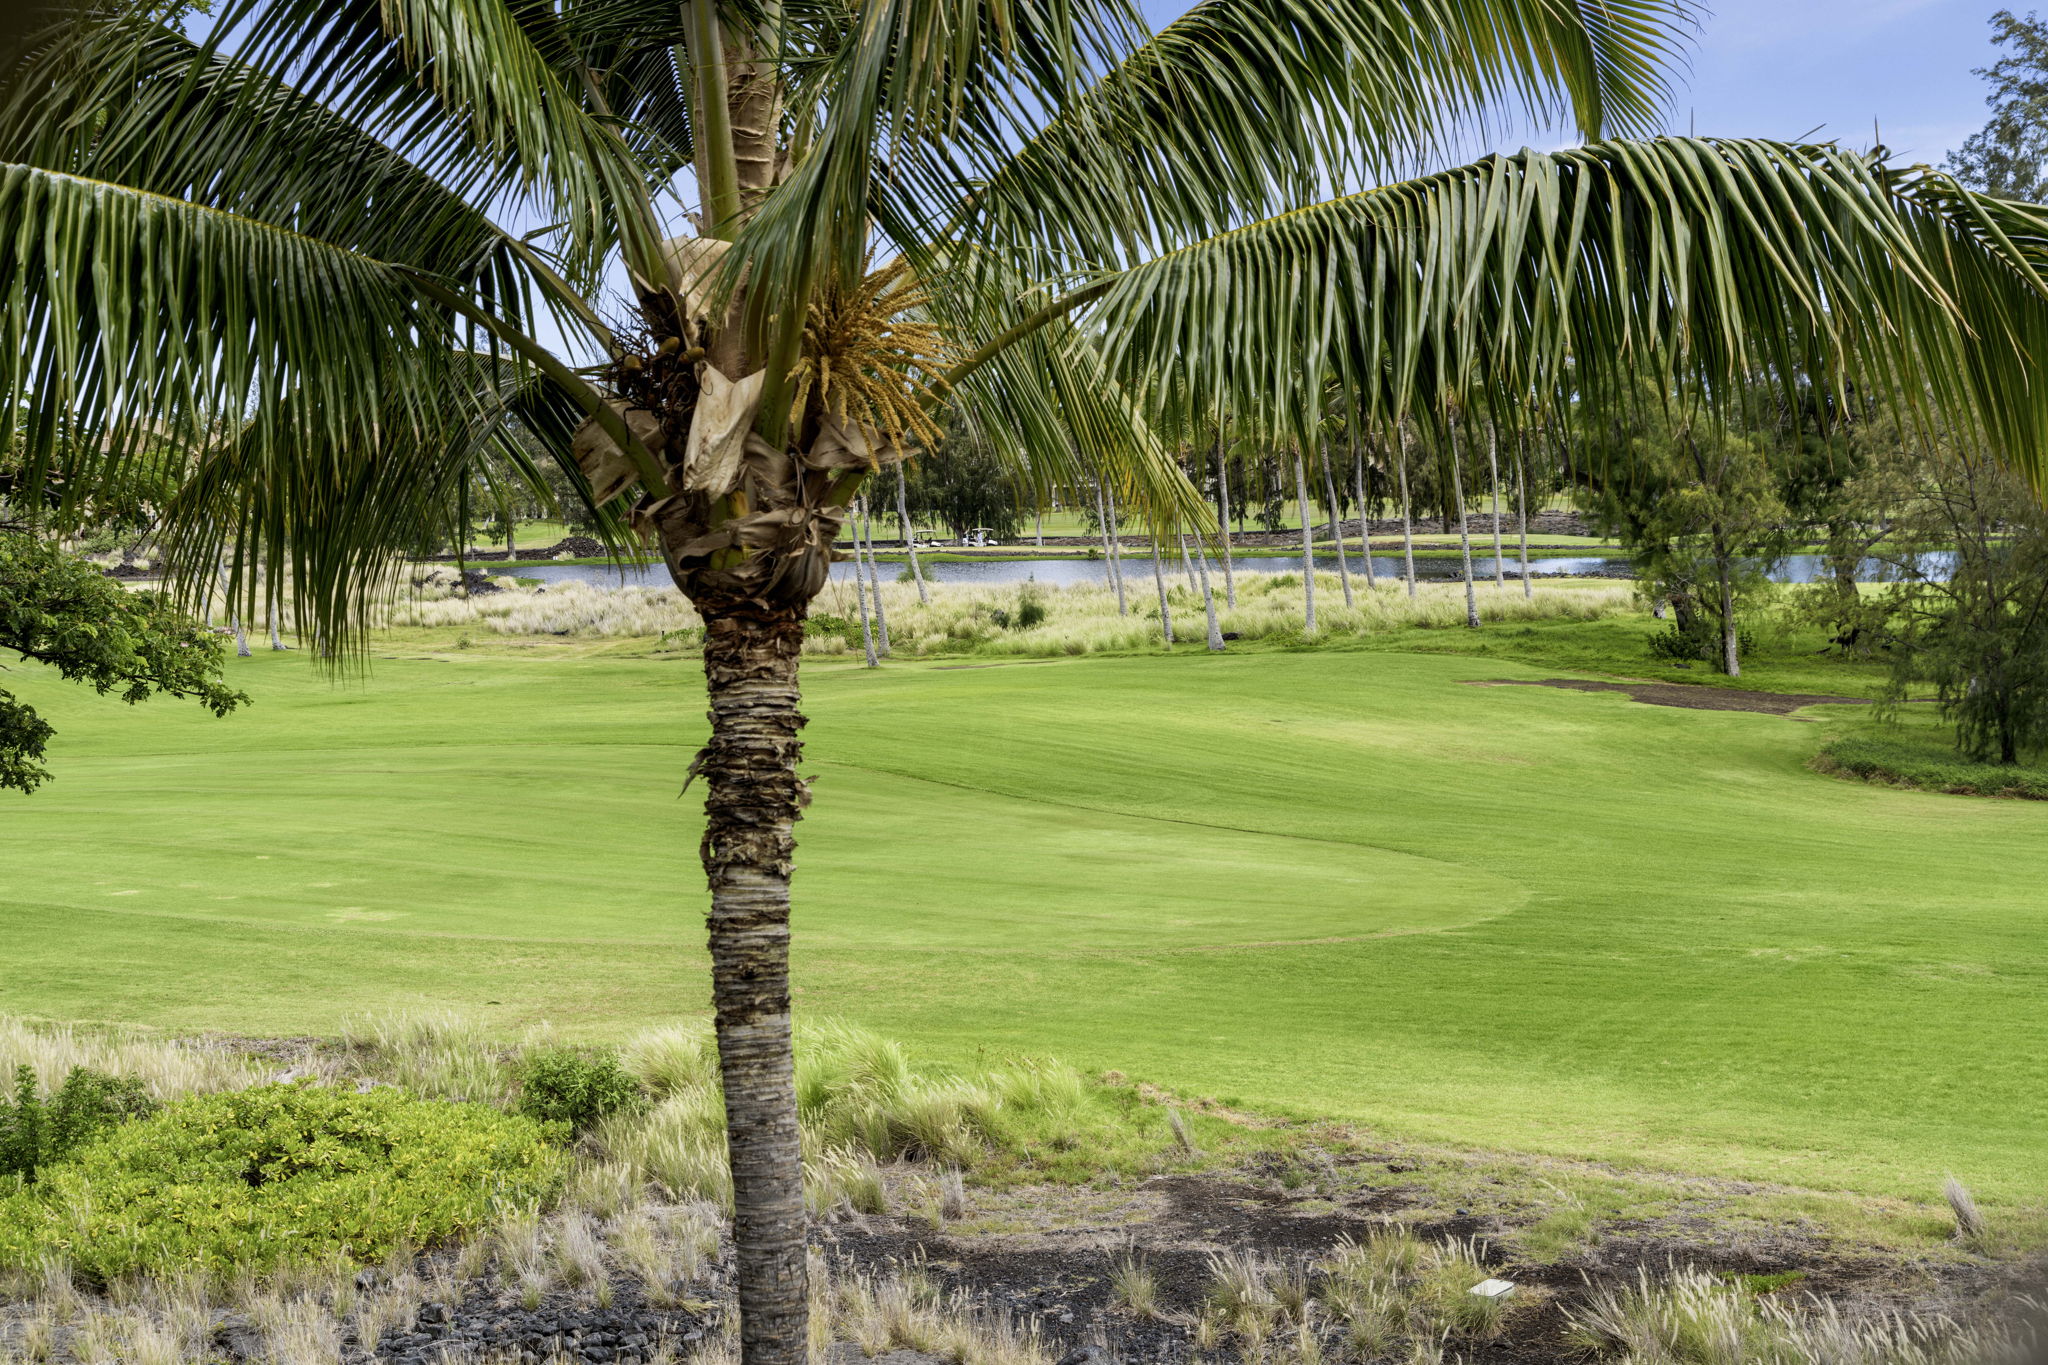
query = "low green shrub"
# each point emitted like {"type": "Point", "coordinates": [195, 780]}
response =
{"type": "Point", "coordinates": [562, 1085]}
{"type": "Point", "coordinates": [1702, 642]}
{"type": "Point", "coordinates": [279, 1175]}
{"type": "Point", "coordinates": [36, 1130]}
{"type": "Point", "coordinates": [1924, 762]}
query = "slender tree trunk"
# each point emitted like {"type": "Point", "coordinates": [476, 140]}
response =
{"type": "Point", "coordinates": [1308, 557]}
{"type": "Point", "coordinates": [1114, 543]}
{"type": "Point", "coordinates": [1464, 527]}
{"type": "Point", "coordinates": [1364, 522]}
{"type": "Point", "coordinates": [511, 541]}
{"type": "Point", "coordinates": [234, 617]}
{"type": "Point", "coordinates": [909, 540]}
{"type": "Point", "coordinates": [1159, 581]}
{"type": "Point", "coordinates": [753, 802]}
{"type": "Point", "coordinates": [867, 527]}
{"type": "Point", "coordinates": [1731, 642]}
{"type": "Point", "coordinates": [1223, 520]}
{"type": "Point", "coordinates": [1208, 597]}
{"type": "Point", "coordinates": [1407, 510]}
{"type": "Point", "coordinates": [1522, 510]}
{"type": "Point", "coordinates": [1500, 573]}
{"type": "Point", "coordinates": [1187, 565]}
{"type": "Point", "coordinates": [1038, 527]}
{"type": "Point", "coordinates": [860, 595]}
{"type": "Point", "coordinates": [1336, 527]}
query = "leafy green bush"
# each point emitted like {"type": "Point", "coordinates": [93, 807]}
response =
{"type": "Point", "coordinates": [35, 1131]}
{"type": "Point", "coordinates": [278, 1175]}
{"type": "Point", "coordinates": [1703, 641]}
{"type": "Point", "coordinates": [1925, 762]}
{"type": "Point", "coordinates": [561, 1085]}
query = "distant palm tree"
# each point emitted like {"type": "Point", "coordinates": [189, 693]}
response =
{"type": "Point", "coordinates": [277, 246]}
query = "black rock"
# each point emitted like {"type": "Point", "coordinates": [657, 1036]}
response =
{"type": "Point", "coordinates": [1091, 1354]}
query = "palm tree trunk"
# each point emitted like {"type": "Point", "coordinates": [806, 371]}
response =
{"type": "Point", "coordinates": [1112, 552]}
{"type": "Point", "coordinates": [1336, 527]}
{"type": "Point", "coordinates": [867, 525]}
{"type": "Point", "coordinates": [909, 540]}
{"type": "Point", "coordinates": [234, 617]}
{"type": "Point", "coordinates": [1187, 565]}
{"type": "Point", "coordinates": [754, 800]}
{"type": "Point", "coordinates": [1407, 511]}
{"type": "Point", "coordinates": [1522, 510]}
{"type": "Point", "coordinates": [1037, 523]}
{"type": "Point", "coordinates": [1731, 662]}
{"type": "Point", "coordinates": [1159, 581]}
{"type": "Point", "coordinates": [860, 595]}
{"type": "Point", "coordinates": [1208, 597]}
{"type": "Point", "coordinates": [511, 540]}
{"type": "Point", "coordinates": [1464, 527]}
{"type": "Point", "coordinates": [1364, 524]}
{"type": "Point", "coordinates": [1223, 516]}
{"type": "Point", "coordinates": [1308, 557]}
{"type": "Point", "coordinates": [1500, 573]}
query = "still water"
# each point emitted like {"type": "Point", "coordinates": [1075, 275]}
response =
{"type": "Point", "coordinates": [1138, 567]}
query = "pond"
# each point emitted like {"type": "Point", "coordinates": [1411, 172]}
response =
{"type": "Point", "coordinates": [1063, 572]}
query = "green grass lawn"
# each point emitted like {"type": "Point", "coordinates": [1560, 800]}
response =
{"type": "Point", "coordinates": [1337, 882]}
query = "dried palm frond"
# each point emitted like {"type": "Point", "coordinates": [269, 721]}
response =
{"type": "Point", "coordinates": [869, 356]}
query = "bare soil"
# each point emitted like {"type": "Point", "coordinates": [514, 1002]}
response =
{"type": "Point", "coordinates": [1687, 695]}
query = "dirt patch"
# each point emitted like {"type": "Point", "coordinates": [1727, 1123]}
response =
{"type": "Point", "coordinates": [1687, 696]}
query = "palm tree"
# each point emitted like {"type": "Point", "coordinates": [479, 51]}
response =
{"type": "Point", "coordinates": [833, 218]}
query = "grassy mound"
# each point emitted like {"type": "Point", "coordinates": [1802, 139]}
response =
{"type": "Point", "coordinates": [1919, 759]}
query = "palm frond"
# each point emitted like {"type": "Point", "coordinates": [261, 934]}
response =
{"type": "Point", "coordinates": [1568, 276]}
{"type": "Point", "coordinates": [1242, 106]}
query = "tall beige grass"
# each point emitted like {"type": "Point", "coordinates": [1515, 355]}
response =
{"type": "Point", "coordinates": [166, 1068]}
{"type": "Point", "coordinates": [979, 619]}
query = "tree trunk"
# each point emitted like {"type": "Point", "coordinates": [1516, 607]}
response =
{"type": "Point", "coordinates": [1159, 581]}
{"type": "Point", "coordinates": [1522, 510]}
{"type": "Point", "coordinates": [1112, 547]}
{"type": "Point", "coordinates": [1730, 641]}
{"type": "Point", "coordinates": [909, 540]}
{"type": "Point", "coordinates": [1208, 597]}
{"type": "Point", "coordinates": [1407, 511]}
{"type": "Point", "coordinates": [867, 527]}
{"type": "Point", "coordinates": [1187, 565]}
{"type": "Point", "coordinates": [1037, 526]}
{"type": "Point", "coordinates": [754, 800]}
{"type": "Point", "coordinates": [1500, 573]}
{"type": "Point", "coordinates": [1464, 527]}
{"type": "Point", "coordinates": [860, 595]}
{"type": "Point", "coordinates": [511, 541]}
{"type": "Point", "coordinates": [1308, 558]}
{"type": "Point", "coordinates": [1223, 521]}
{"type": "Point", "coordinates": [1364, 523]}
{"type": "Point", "coordinates": [1336, 527]}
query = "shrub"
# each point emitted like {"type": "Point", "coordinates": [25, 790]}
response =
{"type": "Point", "coordinates": [561, 1085]}
{"type": "Point", "coordinates": [35, 1131]}
{"type": "Point", "coordinates": [279, 1175]}
{"type": "Point", "coordinates": [1911, 761]}
{"type": "Point", "coordinates": [1703, 641]}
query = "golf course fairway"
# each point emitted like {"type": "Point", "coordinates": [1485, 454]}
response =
{"type": "Point", "coordinates": [1338, 883]}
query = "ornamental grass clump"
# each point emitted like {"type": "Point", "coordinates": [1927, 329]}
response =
{"type": "Point", "coordinates": [280, 1176]}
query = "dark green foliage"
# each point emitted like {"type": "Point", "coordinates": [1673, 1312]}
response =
{"type": "Point", "coordinates": [963, 484]}
{"type": "Point", "coordinates": [1979, 633]}
{"type": "Point", "coordinates": [36, 1130]}
{"type": "Point", "coordinates": [820, 624]}
{"type": "Point", "coordinates": [1700, 641]}
{"type": "Point", "coordinates": [2007, 156]}
{"type": "Point", "coordinates": [252, 1180]}
{"type": "Point", "coordinates": [1915, 761]}
{"type": "Point", "coordinates": [1031, 610]}
{"type": "Point", "coordinates": [60, 610]}
{"type": "Point", "coordinates": [562, 1085]}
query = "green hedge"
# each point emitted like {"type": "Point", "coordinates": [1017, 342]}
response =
{"type": "Point", "coordinates": [1926, 762]}
{"type": "Point", "coordinates": [278, 1175]}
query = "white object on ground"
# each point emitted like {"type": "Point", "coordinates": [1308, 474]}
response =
{"type": "Point", "coordinates": [1493, 1289]}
